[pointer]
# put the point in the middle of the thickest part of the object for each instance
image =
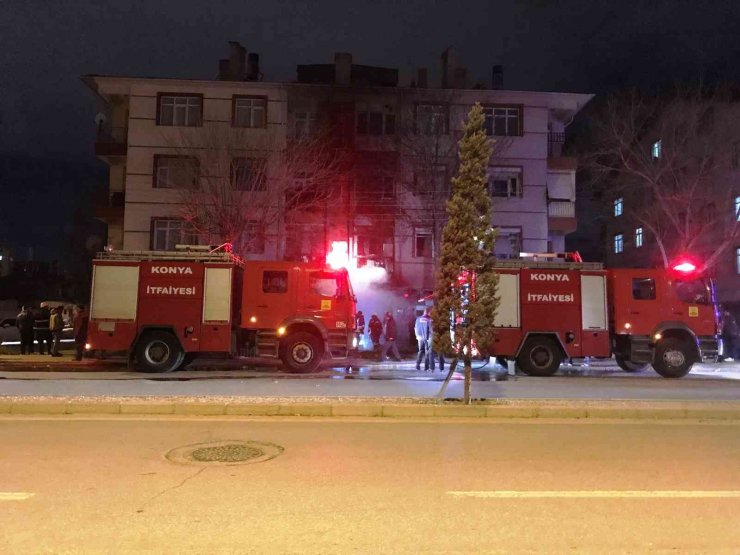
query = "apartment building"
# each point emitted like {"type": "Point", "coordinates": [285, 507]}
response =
{"type": "Point", "coordinates": [398, 145]}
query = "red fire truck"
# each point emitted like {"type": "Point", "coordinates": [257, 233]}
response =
{"type": "Point", "coordinates": [553, 310]}
{"type": "Point", "coordinates": [166, 308]}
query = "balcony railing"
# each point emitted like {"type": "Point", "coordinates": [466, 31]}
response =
{"type": "Point", "coordinates": [555, 144]}
{"type": "Point", "coordinates": [561, 209]}
{"type": "Point", "coordinates": [111, 141]}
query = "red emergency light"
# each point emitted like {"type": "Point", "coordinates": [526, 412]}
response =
{"type": "Point", "coordinates": [685, 267]}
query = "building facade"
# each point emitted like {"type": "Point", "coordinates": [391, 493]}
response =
{"type": "Point", "coordinates": [398, 145]}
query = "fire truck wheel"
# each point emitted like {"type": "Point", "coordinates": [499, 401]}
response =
{"type": "Point", "coordinates": [540, 356]}
{"type": "Point", "coordinates": [673, 358]}
{"type": "Point", "coordinates": [629, 366]}
{"type": "Point", "coordinates": [301, 352]}
{"type": "Point", "coordinates": [158, 351]}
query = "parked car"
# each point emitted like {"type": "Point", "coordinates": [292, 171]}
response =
{"type": "Point", "coordinates": [9, 334]}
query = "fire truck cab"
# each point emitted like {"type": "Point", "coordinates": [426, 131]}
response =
{"type": "Point", "coordinates": [166, 308]}
{"type": "Point", "coordinates": [553, 310]}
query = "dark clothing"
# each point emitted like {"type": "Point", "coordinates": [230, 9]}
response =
{"type": "Point", "coordinates": [360, 323]}
{"type": "Point", "coordinates": [56, 323]}
{"type": "Point", "coordinates": [376, 330]}
{"type": "Point", "coordinates": [391, 333]}
{"type": "Point", "coordinates": [729, 335]}
{"type": "Point", "coordinates": [423, 354]}
{"type": "Point", "coordinates": [80, 331]}
{"type": "Point", "coordinates": [423, 333]}
{"type": "Point", "coordinates": [41, 329]}
{"type": "Point", "coordinates": [391, 330]}
{"type": "Point", "coordinates": [439, 358]}
{"type": "Point", "coordinates": [24, 322]}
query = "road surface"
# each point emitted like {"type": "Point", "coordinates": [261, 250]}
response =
{"type": "Point", "coordinates": [354, 486]}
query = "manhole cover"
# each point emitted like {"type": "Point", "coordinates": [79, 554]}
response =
{"type": "Point", "coordinates": [225, 453]}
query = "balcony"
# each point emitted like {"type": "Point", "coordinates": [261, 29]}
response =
{"type": "Point", "coordinates": [555, 159]}
{"type": "Point", "coordinates": [110, 142]}
{"type": "Point", "coordinates": [112, 211]}
{"type": "Point", "coordinates": [561, 216]}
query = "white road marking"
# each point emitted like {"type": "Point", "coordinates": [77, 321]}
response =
{"type": "Point", "coordinates": [15, 495]}
{"type": "Point", "coordinates": [600, 494]}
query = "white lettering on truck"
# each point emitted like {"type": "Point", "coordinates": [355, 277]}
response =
{"type": "Point", "coordinates": [550, 277]}
{"type": "Point", "coordinates": [550, 298]}
{"type": "Point", "coordinates": [171, 270]}
{"type": "Point", "coordinates": [169, 290]}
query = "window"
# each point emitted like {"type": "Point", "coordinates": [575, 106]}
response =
{"type": "Point", "coordinates": [248, 174]}
{"type": "Point", "coordinates": [375, 121]}
{"type": "Point", "coordinates": [505, 182]}
{"type": "Point", "coordinates": [508, 242]}
{"type": "Point", "coordinates": [386, 187]}
{"type": "Point", "coordinates": [180, 110]}
{"type": "Point", "coordinates": [176, 172]}
{"type": "Point", "coordinates": [305, 124]}
{"type": "Point", "coordinates": [638, 237]}
{"type": "Point", "coordinates": [643, 289]}
{"type": "Point", "coordinates": [254, 238]}
{"type": "Point", "coordinates": [169, 232]}
{"type": "Point", "coordinates": [618, 243]}
{"type": "Point", "coordinates": [432, 119]}
{"type": "Point", "coordinates": [503, 121]}
{"type": "Point", "coordinates": [249, 111]}
{"type": "Point", "coordinates": [737, 259]}
{"type": "Point", "coordinates": [737, 208]}
{"type": "Point", "coordinates": [656, 150]}
{"type": "Point", "coordinates": [422, 243]}
{"type": "Point", "coordinates": [694, 292]}
{"type": "Point", "coordinates": [432, 181]}
{"type": "Point", "coordinates": [274, 281]}
{"type": "Point", "coordinates": [618, 204]}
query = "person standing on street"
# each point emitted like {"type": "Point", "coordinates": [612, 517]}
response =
{"type": "Point", "coordinates": [391, 334]}
{"type": "Point", "coordinates": [376, 330]}
{"type": "Point", "coordinates": [359, 327]}
{"type": "Point", "coordinates": [41, 329]}
{"type": "Point", "coordinates": [56, 324]}
{"type": "Point", "coordinates": [80, 329]}
{"type": "Point", "coordinates": [729, 335]}
{"type": "Point", "coordinates": [423, 333]}
{"type": "Point", "coordinates": [24, 322]}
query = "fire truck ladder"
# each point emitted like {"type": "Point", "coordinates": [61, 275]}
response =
{"type": "Point", "coordinates": [172, 256]}
{"type": "Point", "coordinates": [552, 260]}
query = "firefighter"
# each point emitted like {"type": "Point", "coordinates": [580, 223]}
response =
{"type": "Point", "coordinates": [390, 330]}
{"type": "Point", "coordinates": [41, 329]}
{"type": "Point", "coordinates": [376, 330]}
{"type": "Point", "coordinates": [423, 333]}
{"type": "Point", "coordinates": [359, 327]}
{"type": "Point", "coordinates": [24, 322]}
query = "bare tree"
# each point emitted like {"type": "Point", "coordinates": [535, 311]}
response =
{"type": "Point", "coordinates": [235, 190]}
{"type": "Point", "coordinates": [669, 159]}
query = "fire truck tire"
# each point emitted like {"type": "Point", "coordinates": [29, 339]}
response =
{"type": "Point", "coordinates": [673, 358]}
{"type": "Point", "coordinates": [158, 351]}
{"type": "Point", "coordinates": [629, 366]}
{"type": "Point", "coordinates": [540, 356]}
{"type": "Point", "coordinates": [301, 352]}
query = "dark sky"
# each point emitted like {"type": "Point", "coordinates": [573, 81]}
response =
{"type": "Point", "coordinates": [583, 46]}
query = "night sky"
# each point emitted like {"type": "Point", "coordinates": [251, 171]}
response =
{"type": "Point", "coordinates": [580, 46]}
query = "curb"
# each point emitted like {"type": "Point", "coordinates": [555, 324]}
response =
{"type": "Point", "coordinates": [386, 408]}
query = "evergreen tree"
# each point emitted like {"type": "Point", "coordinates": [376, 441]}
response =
{"type": "Point", "coordinates": [465, 284]}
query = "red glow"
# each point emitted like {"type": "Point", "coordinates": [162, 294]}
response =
{"type": "Point", "coordinates": [685, 267]}
{"type": "Point", "coordinates": [338, 257]}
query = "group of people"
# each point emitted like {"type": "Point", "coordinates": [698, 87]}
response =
{"type": "Point", "coordinates": [45, 325]}
{"type": "Point", "coordinates": [389, 330]}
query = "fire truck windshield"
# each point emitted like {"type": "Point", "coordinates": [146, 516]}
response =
{"type": "Point", "coordinates": [696, 291]}
{"type": "Point", "coordinates": [328, 284]}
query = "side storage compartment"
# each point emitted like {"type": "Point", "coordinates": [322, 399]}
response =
{"type": "Point", "coordinates": [217, 309]}
{"type": "Point", "coordinates": [113, 306]}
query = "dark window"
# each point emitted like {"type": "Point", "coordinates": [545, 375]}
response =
{"type": "Point", "coordinates": [503, 120]}
{"type": "Point", "coordinates": [180, 110]}
{"type": "Point", "coordinates": [643, 289]}
{"type": "Point", "coordinates": [176, 172]}
{"type": "Point", "coordinates": [505, 182]}
{"type": "Point", "coordinates": [250, 111]}
{"type": "Point", "coordinates": [694, 292]}
{"type": "Point", "coordinates": [377, 122]}
{"type": "Point", "coordinates": [248, 174]}
{"type": "Point", "coordinates": [274, 281]}
{"type": "Point", "coordinates": [422, 243]}
{"type": "Point", "coordinates": [432, 119]}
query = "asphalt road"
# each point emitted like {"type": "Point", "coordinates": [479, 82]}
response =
{"type": "Point", "coordinates": [353, 486]}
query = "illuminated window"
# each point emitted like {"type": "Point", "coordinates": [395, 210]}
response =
{"type": "Point", "coordinates": [505, 182]}
{"type": "Point", "coordinates": [503, 121]}
{"type": "Point", "coordinates": [638, 237]}
{"type": "Point", "coordinates": [618, 205]}
{"type": "Point", "coordinates": [422, 242]}
{"type": "Point", "coordinates": [737, 260]}
{"type": "Point", "coordinates": [249, 111]}
{"type": "Point", "coordinates": [657, 149]}
{"type": "Point", "coordinates": [175, 171]}
{"type": "Point", "coordinates": [180, 110]}
{"type": "Point", "coordinates": [737, 208]}
{"type": "Point", "coordinates": [618, 243]}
